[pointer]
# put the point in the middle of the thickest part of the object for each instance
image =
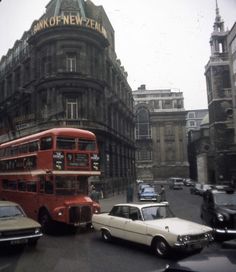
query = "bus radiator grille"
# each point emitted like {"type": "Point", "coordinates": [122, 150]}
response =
{"type": "Point", "coordinates": [80, 214]}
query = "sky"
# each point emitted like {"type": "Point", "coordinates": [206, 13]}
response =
{"type": "Point", "coordinates": [161, 43]}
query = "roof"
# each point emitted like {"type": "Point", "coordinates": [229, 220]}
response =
{"type": "Point", "coordinates": [7, 203]}
{"type": "Point", "coordinates": [143, 205]}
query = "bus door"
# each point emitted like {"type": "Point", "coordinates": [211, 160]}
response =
{"type": "Point", "coordinates": [46, 190]}
{"type": "Point", "coordinates": [29, 200]}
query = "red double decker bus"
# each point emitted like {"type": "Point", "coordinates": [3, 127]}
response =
{"type": "Point", "coordinates": [47, 174]}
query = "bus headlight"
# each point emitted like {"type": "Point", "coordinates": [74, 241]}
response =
{"type": "Point", "coordinates": [60, 213]}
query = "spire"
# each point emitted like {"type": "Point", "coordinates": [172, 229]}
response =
{"type": "Point", "coordinates": [218, 18]}
{"type": "Point", "coordinates": [219, 23]}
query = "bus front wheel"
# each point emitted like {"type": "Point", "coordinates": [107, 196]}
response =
{"type": "Point", "coordinates": [45, 221]}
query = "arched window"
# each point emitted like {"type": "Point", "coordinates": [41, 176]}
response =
{"type": "Point", "coordinates": [143, 130]}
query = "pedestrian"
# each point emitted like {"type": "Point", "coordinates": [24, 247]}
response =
{"type": "Point", "coordinates": [95, 195]}
{"type": "Point", "coordinates": [129, 194]}
{"type": "Point", "coordinates": [163, 193]}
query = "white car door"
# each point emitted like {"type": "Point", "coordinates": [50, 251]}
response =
{"type": "Point", "coordinates": [118, 220]}
{"type": "Point", "coordinates": [135, 228]}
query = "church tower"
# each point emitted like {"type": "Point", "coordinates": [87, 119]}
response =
{"type": "Point", "coordinates": [219, 94]}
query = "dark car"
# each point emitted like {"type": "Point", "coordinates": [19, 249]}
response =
{"type": "Point", "coordinates": [218, 210]}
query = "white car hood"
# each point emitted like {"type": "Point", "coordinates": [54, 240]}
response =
{"type": "Point", "coordinates": [178, 226]}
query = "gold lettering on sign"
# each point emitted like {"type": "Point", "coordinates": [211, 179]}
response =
{"type": "Point", "coordinates": [69, 20]}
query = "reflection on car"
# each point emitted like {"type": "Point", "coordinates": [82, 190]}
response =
{"type": "Point", "coordinates": [153, 225]}
{"type": "Point", "coordinates": [218, 210]}
{"type": "Point", "coordinates": [218, 261]}
{"type": "Point", "coordinates": [148, 193]}
{"type": "Point", "coordinates": [222, 259]}
{"type": "Point", "coordinates": [15, 227]}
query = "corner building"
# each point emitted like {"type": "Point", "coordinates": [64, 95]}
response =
{"type": "Point", "coordinates": [64, 72]}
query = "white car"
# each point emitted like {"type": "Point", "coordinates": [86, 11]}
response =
{"type": "Point", "coordinates": [153, 225]}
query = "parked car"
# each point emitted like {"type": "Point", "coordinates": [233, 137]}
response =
{"type": "Point", "coordinates": [203, 188]}
{"type": "Point", "coordinates": [153, 225]}
{"type": "Point", "coordinates": [15, 227]}
{"type": "Point", "coordinates": [176, 183]}
{"type": "Point", "coordinates": [218, 210]}
{"type": "Point", "coordinates": [189, 182]}
{"type": "Point", "coordinates": [141, 187]}
{"type": "Point", "coordinates": [195, 189]}
{"type": "Point", "coordinates": [147, 194]}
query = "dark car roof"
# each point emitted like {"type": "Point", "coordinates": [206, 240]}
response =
{"type": "Point", "coordinates": [221, 260]}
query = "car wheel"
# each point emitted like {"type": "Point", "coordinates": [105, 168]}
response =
{"type": "Point", "coordinates": [106, 236]}
{"type": "Point", "coordinates": [45, 221]}
{"type": "Point", "coordinates": [161, 247]}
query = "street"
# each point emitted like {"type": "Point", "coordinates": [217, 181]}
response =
{"type": "Point", "coordinates": [85, 251]}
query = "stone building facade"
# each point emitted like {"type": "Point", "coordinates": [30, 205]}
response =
{"type": "Point", "coordinates": [64, 72]}
{"type": "Point", "coordinates": [220, 93]}
{"type": "Point", "coordinates": [161, 146]}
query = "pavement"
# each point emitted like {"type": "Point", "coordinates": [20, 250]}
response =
{"type": "Point", "coordinates": [109, 202]}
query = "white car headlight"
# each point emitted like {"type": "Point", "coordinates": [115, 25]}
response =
{"type": "Point", "coordinates": [183, 238]}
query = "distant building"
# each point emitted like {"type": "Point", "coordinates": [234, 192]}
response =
{"type": "Point", "coordinates": [198, 149]}
{"type": "Point", "coordinates": [194, 119]}
{"type": "Point", "coordinates": [64, 72]}
{"type": "Point", "coordinates": [161, 146]}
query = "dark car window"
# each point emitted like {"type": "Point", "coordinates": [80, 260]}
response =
{"type": "Point", "coordinates": [10, 211]}
{"type": "Point", "coordinates": [120, 211]}
{"type": "Point", "coordinates": [225, 199]}
{"type": "Point", "coordinates": [134, 213]}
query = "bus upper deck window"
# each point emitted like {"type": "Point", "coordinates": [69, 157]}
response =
{"type": "Point", "coordinates": [87, 145]}
{"type": "Point", "coordinates": [65, 143]}
{"type": "Point", "coordinates": [46, 143]}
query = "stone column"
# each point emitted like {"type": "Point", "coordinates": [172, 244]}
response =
{"type": "Point", "coordinates": [162, 144]}
{"type": "Point", "coordinates": [177, 144]}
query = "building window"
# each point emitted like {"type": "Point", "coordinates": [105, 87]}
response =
{"type": "Point", "coordinates": [144, 155]}
{"type": "Point", "coordinates": [71, 108]}
{"type": "Point", "coordinates": [192, 123]}
{"type": "Point", "coordinates": [167, 104]}
{"type": "Point", "coordinates": [71, 63]}
{"type": "Point", "coordinates": [143, 130]}
{"type": "Point", "coordinates": [191, 115]}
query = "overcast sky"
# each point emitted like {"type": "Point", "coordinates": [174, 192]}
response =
{"type": "Point", "coordinates": [161, 43]}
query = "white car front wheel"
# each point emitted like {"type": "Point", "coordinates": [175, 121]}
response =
{"type": "Point", "coordinates": [106, 236]}
{"type": "Point", "coordinates": [161, 247]}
